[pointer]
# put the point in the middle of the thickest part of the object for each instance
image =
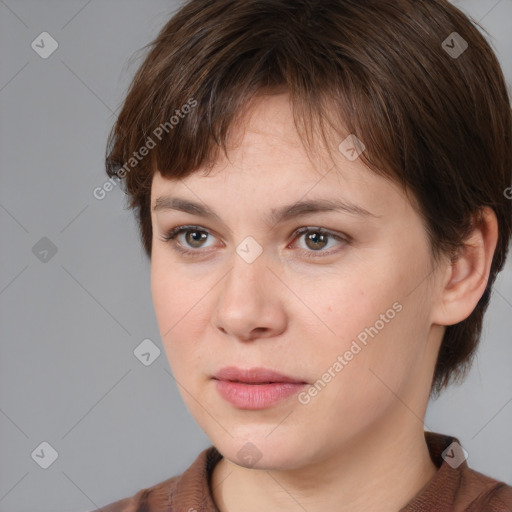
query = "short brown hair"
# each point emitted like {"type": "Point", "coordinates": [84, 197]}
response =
{"type": "Point", "coordinates": [391, 72]}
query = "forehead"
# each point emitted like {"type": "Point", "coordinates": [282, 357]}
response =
{"type": "Point", "coordinates": [267, 161]}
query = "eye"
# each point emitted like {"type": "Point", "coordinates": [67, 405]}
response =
{"type": "Point", "coordinates": [194, 237]}
{"type": "Point", "coordinates": [316, 240]}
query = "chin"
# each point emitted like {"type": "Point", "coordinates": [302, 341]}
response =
{"type": "Point", "coordinates": [259, 450]}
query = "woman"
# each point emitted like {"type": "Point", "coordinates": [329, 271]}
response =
{"type": "Point", "coordinates": [321, 188]}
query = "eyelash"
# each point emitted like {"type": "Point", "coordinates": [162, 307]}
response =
{"type": "Point", "coordinates": [173, 233]}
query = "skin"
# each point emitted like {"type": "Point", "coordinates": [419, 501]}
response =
{"type": "Point", "coordinates": [359, 443]}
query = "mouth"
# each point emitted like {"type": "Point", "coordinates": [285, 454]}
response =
{"type": "Point", "coordinates": [253, 383]}
{"type": "Point", "coordinates": [256, 388]}
{"type": "Point", "coordinates": [255, 376]}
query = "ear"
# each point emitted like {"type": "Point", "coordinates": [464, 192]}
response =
{"type": "Point", "coordinates": [466, 276]}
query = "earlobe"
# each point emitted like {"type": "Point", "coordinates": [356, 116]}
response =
{"type": "Point", "coordinates": [468, 272]}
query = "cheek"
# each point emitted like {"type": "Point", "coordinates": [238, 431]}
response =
{"type": "Point", "coordinates": [165, 299]}
{"type": "Point", "coordinates": [174, 294]}
{"type": "Point", "coordinates": [367, 319]}
{"type": "Point", "coordinates": [171, 301]}
{"type": "Point", "coordinates": [379, 359]}
{"type": "Point", "coordinates": [356, 382]}
{"type": "Point", "coordinates": [340, 307]}
{"type": "Point", "coordinates": [182, 312]}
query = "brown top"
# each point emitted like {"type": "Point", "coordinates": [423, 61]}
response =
{"type": "Point", "coordinates": [454, 488]}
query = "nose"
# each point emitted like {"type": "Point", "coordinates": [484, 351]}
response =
{"type": "Point", "coordinates": [250, 302]}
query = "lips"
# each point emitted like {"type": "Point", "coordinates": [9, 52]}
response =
{"type": "Point", "coordinates": [255, 388]}
{"type": "Point", "coordinates": [254, 376]}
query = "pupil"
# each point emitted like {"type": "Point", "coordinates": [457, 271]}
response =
{"type": "Point", "coordinates": [197, 236]}
{"type": "Point", "coordinates": [314, 237]}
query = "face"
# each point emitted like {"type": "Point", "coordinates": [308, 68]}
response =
{"type": "Point", "coordinates": [338, 300]}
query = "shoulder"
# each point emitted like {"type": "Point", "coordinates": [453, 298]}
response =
{"type": "Point", "coordinates": [456, 486]}
{"type": "Point", "coordinates": [478, 492]}
{"type": "Point", "coordinates": [493, 495]}
{"type": "Point", "coordinates": [151, 499]}
{"type": "Point", "coordinates": [178, 492]}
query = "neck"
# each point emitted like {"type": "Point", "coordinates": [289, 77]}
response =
{"type": "Point", "coordinates": [380, 470]}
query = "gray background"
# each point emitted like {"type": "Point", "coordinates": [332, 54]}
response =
{"type": "Point", "coordinates": [70, 324]}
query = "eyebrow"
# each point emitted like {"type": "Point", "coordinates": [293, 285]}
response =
{"type": "Point", "coordinates": [276, 215]}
